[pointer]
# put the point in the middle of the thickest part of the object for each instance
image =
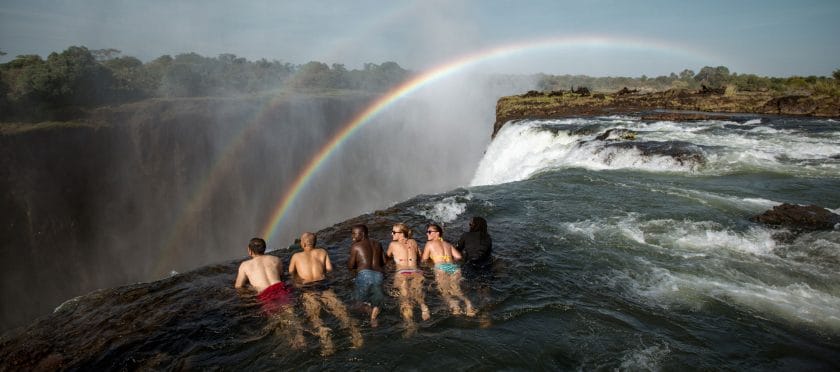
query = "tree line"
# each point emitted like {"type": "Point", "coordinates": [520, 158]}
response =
{"type": "Point", "coordinates": [63, 84]}
{"type": "Point", "coordinates": [711, 77]}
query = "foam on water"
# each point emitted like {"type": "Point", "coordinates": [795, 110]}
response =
{"type": "Point", "coordinates": [518, 152]}
{"type": "Point", "coordinates": [523, 149]}
{"type": "Point", "coordinates": [751, 205]}
{"type": "Point", "coordinates": [719, 267]}
{"type": "Point", "coordinates": [820, 248]}
{"type": "Point", "coordinates": [446, 210]}
{"type": "Point", "coordinates": [677, 236]}
{"type": "Point", "coordinates": [646, 358]}
{"type": "Point", "coordinates": [795, 302]}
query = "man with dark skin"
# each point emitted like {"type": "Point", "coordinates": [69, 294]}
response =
{"type": "Point", "coordinates": [367, 258]}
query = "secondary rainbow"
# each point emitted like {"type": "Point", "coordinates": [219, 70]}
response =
{"type": "Point", "coordinates": [444, 70]}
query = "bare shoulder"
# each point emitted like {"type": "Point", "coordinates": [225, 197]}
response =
{"type": "Point", "coordinates": [245, 264]}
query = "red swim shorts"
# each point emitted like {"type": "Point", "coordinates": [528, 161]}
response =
{"type": "Point", "coordinates": [275, 297]}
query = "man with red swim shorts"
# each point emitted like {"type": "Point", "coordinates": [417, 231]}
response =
{"type": "Point", "coordinates": [263, 271]}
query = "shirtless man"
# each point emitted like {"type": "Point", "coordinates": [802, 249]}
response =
{"type": "Point", "coordinates": [263, 272]}
{"type": "Point", "coordinates": [447, 272]}
{"type": "Point", "coordinates": [367, 258]}
{"type": "Point", "coordinates": [408, 278]}
{"type": "Point", "coordinates": [309, 269]}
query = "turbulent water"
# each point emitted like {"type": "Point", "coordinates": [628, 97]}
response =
{"type": "Point", "coordinates": [628, 249]}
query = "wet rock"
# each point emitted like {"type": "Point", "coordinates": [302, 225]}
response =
{"type": "Point", "coordinates": [685, 153]}
{"type": "Point", "coordinates": [799, 217]}
{"type": "Point", "coordinates": [616, 134]}
{"type": "Point", "coordinates": [681, 116]}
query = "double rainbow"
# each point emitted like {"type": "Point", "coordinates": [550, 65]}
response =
{"type": "Point", "coordinates": [439, 72]}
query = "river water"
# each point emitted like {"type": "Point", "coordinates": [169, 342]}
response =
{"type": "Point", "coordinates": [628, 250]}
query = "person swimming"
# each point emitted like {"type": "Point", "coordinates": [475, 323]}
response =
{"type": "Point", "coordinates": [309, 268]}
{"type": "Point", "coordinates": [447, 272]}
{"type": "Point", "coordinates": [409, 278]}
{"type": "Point", "coordinates": [368, 259]}
{"type": "Point", "coordinates": [263, 272]}
{"type": "Point", "coordinates": [476, 247]}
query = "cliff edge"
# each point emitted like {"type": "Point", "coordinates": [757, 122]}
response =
{"type": "Point", "coordinates": [675, 104]}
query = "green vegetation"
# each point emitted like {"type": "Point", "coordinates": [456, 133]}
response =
{"type": "Point", "coordinates": [65, 84]}
{"type": "Point", "coordinates": [711, 77]}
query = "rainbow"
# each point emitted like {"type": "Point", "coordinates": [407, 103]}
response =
{"type": "Point", "coordinates": [446, 69]}
{"type": "Point", "coordinates": [221, 165]}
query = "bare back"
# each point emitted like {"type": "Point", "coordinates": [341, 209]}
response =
{"type": "Point", "coordinates": [405, 254]}
{"type": "Point", "coordinates": [310, 265]}
{"type": "Point", "coordinates": [261, 272]}
{"type": "Point", "coordinates": [440, 251]}
{"type": "Point", "coordinates": [366, 255]}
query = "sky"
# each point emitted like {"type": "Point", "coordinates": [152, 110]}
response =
{"type": "Point", "coordinates": [594, 37]}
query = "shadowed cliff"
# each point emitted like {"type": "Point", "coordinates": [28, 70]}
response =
{"type": "Point", "coordinates": [133, 192]}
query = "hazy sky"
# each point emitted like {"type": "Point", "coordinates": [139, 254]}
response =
{"type": "Point", "coordinates": [597, 37]}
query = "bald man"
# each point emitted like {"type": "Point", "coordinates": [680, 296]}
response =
{"type": "Point", "coordinates": [309, 269]}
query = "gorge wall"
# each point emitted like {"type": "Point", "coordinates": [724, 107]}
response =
{"type": "Point", "coordinates": [133, 192]}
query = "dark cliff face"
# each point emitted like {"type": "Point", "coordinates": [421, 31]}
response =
{"type": "Point", "coordinates": [153, 187]}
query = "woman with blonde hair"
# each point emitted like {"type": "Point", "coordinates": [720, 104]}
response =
{"type": "Point", "coordinates": [408, 278]}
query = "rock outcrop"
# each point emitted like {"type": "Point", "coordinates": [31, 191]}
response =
{"type": "Point", "coordinates": [675, 104]}
{"type": "Point", "coordinates": [799, 217]}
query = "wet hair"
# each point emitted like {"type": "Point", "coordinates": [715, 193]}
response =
{"type": "Point", "coordinates": [404, 229]}
{"type": "Point", "coordinates": [257, 245]}
{"type": "Point", "coordinates": [308, 239]}
{"type": "Point", "coordinates": [362, 227]}
{"type": "Point", "coordinates": [437, 228]}
{"type": "Point", "coordinates": [479, 224]}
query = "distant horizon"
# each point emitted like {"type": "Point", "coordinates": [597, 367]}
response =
{"type": "Point", "coordinates": [747, 36]}
{"type": "Point", "coordinates": [9, 57]}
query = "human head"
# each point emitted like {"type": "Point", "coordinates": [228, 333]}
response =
{"type": "Point", "coordinates": [359, 232]}
{"type": "Point", "coordinates": [256, 246]}
{"type": "Point", "coordinates": [307, 240]}
{"type": "Point", "coordinates": [478, 224]}
{"type": "Point", "coordinates": [400, 230]}
{"type": "Point", "coordinates": [434, 231]}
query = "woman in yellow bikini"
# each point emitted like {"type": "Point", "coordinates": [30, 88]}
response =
{"type": "Point", "coordinates": [408, 278]}
{"type": "Point", "coordinates": [447, 272]}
